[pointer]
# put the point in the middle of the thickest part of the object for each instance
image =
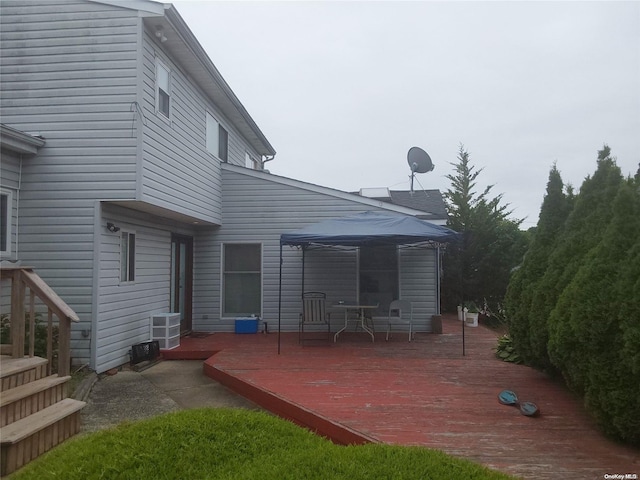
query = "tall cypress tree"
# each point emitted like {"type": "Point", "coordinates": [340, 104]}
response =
{"type": "Point", "coordinates": [588, 296]}
{"type": "Point", "coordinates": [585, 317]}
{"type": "Point", "coordinates": [586, 228]}
{"type": "Point", "coordinates": [583, 231]}
{"type": "Point", "coordinates": [606, 364]}
{"type": "Point", "coordinates": [553, 215]}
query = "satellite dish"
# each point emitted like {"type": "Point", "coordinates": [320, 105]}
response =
{"type": "Point", "coordinates": [419, 162]}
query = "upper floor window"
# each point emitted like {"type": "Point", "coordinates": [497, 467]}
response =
{"type": "Point", "coordinates": [127, 257]}
{"type": "Point", "coordinates": [223, 146]}
{"type": "Point", "coordinates": [217, 140]}
{"type": "Point", "coordinates": [5, 222]}
{"type": "Point", "coordinates": [251, 162]}
{"type": "Point", "coordinates": [163, 88]}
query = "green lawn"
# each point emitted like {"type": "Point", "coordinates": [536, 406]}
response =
{"type": "Point", "coordinates": [236, 444]}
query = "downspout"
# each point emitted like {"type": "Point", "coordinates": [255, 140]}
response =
{"type": "Point", "coordinates": [267, 158]}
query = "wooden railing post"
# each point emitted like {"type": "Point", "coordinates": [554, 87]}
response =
{"type": "Point", "coordinates": [64, 341]}
{"type": "Point", "coordinates": [21, 278]}
{"type": "Point", "coordinates": [49, 341]}
{"type": "Point", "coordinates": [17, 314]}
{"type": "Point", "coordinates": [32, 323]}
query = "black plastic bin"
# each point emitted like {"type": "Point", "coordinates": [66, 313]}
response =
{"type": "Point", "coordinates": [145, 351]}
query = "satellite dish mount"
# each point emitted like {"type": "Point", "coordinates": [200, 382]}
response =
{"type": "Point", "coordinates": [419, 162]}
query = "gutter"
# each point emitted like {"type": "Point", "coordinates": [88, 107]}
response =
{"type": "Point", "coordinates": [267, 158]}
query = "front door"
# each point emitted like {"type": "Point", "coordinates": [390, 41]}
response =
{"type": "Point", "coordinates": [182, 279]}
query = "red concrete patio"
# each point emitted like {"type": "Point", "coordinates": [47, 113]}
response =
{"type": "Point", "coordinates": [420, 393]}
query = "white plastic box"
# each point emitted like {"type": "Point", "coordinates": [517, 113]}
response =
{"type": "Point", "coordinates": [165, 328]}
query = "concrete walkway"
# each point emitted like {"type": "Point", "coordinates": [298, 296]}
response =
{"type": "Point", "coordinates": [165, 387]}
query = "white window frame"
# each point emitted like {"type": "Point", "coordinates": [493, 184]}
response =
{"type": "Point", "coordinates": [8, 221]}
{"type": "Point", "coordinates": [223, 158]}
{"type": "Point", "coordinates": [129, 272]}
{"type": "Point", "coordinates": [213, 129]}
{"type": "Point", "coordinates": [251, 162]}
{"type": "Point", "coordinates": [212, 140]}
{"type": "Point", "coordinates": [223, 314]}
{"type": "Point", "coordinates": [161, 65]}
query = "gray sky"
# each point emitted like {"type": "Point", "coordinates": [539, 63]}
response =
{"type": "Point", "coordinates": [342, 90]}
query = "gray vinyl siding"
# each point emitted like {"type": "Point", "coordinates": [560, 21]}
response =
{"type": "Point", "coordinates": [69, 74]}
{"type": "Point", "coordinates": [9, 183]}
{"type": "Point", "coordinates": [177, 170]}
{"type": "Point", "coordinates": [125, 309]}
{"type": "Point", "coordinates": [9, 170]}
{"type": "Point", "coordinates": [9, 173]}
{"type": "Point", "coordinates": [418, 284]}
{"type": "Point", "coordinates": [256, 209]}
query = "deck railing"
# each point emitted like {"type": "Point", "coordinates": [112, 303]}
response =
{"type": "Point", "coordinates": [24, 279]}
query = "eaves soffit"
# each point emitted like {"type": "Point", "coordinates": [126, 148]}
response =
{"type": "Point", "coordinates": [19, 142]}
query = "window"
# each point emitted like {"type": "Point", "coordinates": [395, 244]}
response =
{"type": "Point", "coordinates": [127, 257]}
{"type": "Point", "coordinates": [217, 140]}
{"type": "Point", "coordinates": [5, 222]}
{"type": "Point", "coordinates": [379, 276]}
{"type": "Point", "coordinates": [251, 162]}
{"type": "Point", "coordinates": [223, 146]}
{"type": "Point", "coordinates": [242, 279]}
{"type": "Point", "coordinates": [163, 92]}
{"type": "Point", "coordinates": [212, 135]}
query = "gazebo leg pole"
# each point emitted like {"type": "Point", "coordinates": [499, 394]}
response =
{"type": "Point", "coordinates": [280, 299]}
{"type": "Point", "coordinates": [303, 258]}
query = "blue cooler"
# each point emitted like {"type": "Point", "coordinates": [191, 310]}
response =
{"type": "Point", "coordinates": [247, 325]}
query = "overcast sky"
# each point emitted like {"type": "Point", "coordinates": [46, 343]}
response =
{"type": "Point", "coordinates": [342, 90]}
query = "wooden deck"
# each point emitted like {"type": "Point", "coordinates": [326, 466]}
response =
{"type": "Point", "coordinates": [421, 393]}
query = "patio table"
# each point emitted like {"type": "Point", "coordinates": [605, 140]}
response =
{"type": "Point", "coordinates": [357, 308]}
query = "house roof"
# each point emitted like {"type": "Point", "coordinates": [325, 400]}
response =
{"type": "Point", "coordinates": [353, 197]}
{"type": "Point", "coordinates": [429, 201]}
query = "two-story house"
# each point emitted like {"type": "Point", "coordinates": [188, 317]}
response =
{"type": "Point", "coordinates": [141, 189]}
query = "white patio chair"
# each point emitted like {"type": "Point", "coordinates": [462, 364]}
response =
{"type": "Point", "coordinates": [400, 306]}
{"type": "Point", "coordinates": [314, 313]}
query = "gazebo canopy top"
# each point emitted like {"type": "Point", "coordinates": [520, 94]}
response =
{"type": "Point", "coordinates": [370, 228]}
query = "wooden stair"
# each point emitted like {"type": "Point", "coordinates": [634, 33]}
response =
{"type": "Point", "coordinates": [35, 413]}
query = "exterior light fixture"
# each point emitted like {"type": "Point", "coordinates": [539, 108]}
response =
{"type": "Point", "coordinates": [160, 34]}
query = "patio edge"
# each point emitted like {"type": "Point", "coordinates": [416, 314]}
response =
{"type": "Point", "coordinates": [277, 405]}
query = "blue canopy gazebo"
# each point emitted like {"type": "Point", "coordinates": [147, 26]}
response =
{"type": "Point", "coordinates": [363, 229]}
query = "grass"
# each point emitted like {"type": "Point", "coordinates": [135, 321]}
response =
{"type": "Point", "coordinates": [236, 444]}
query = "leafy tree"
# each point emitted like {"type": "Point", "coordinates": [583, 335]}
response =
{"type": "Point", "coordinates": [478, 267]}
{"type": "Point", "coordinates": [553, 214]}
